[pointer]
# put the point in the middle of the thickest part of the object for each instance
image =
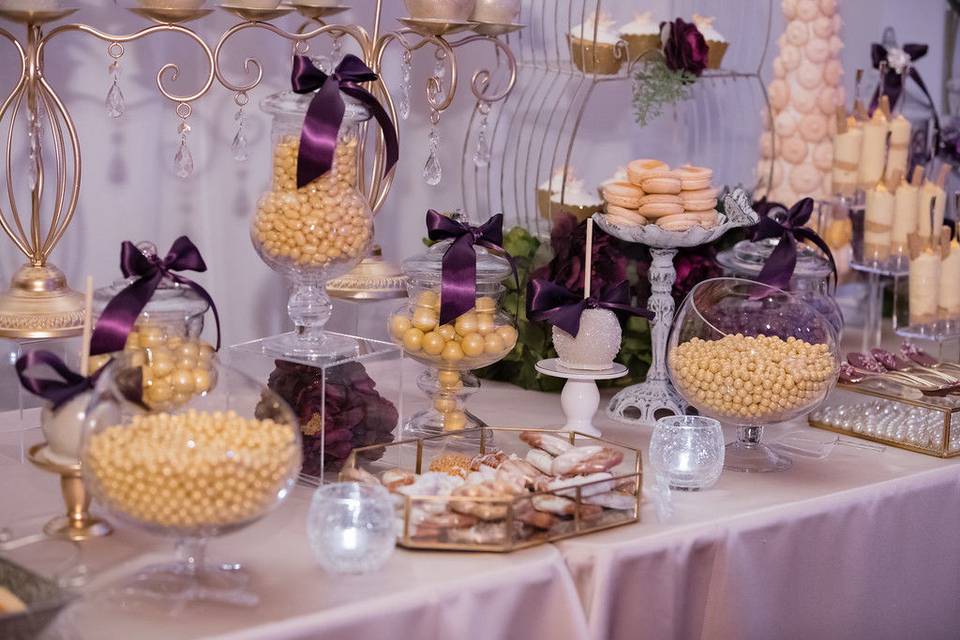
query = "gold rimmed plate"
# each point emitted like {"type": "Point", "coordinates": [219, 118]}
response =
{"type": "Point", "coordinates": [170, 15]}
{"type": "Point", "coordinates": [35, 17]}
{"type": "Point", "coordinates": [315, 10]}
{"type": "Point", "coordinates": [436, 27]}
{"type": "Point", "coordinates": [496, 28]}
{"type": "Point", "coordinates": [254, 14]}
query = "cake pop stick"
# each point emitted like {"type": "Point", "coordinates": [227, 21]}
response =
{"type": "Point", "coordinates": [588, 260]}
{"type": "Point", "coordinates": [87, 328]}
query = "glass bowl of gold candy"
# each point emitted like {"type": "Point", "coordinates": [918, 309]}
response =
{"type": "Point", "coordinates": [216, 464]}
{"type": "Point", "coordinates": [750, 355]}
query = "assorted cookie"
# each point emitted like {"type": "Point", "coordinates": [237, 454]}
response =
{"type": "Point", "coordinates": [674, 199]}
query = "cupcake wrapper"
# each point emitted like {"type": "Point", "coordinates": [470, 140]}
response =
{"type": "Point", "coordinates": [715, 53]}
{"type": "Point", "coordinates": [639, 45]}
{"type": "Point", "coordinates": [594, 57]}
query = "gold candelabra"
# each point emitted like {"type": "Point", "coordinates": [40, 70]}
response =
{"type": "Point", "coordinates": [39, 303]}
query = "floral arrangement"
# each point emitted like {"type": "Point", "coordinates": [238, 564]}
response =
{"type": "Point", "coordinates": [665, 76]}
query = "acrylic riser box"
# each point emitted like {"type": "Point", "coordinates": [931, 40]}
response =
{"type": "Point", "coordinates": [341, 403]}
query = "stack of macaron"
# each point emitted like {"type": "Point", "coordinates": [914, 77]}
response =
{"type": "Point", "coordinates": [674, 199]}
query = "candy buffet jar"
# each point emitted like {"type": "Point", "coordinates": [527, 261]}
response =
{"type": "Point", "coordinates": [749, 355]}
{"type": "Point", "coordinates": [165, 343]}
{"type": "Point", "coordinates": [207, 468]}
{"type": "Point", "coordinates": [476, 339]}
{"type": "Point", "coordinates": [315, 233]}
{"type": "Point", "coordinates": [810, 280]}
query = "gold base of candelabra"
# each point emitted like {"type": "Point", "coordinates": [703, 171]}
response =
{"type": "Point", "coordinates": [40, 304]}
{"type": "Point", "coordinates": [372, 279]}
{"type": "Point", "coordinates": [77, 524]}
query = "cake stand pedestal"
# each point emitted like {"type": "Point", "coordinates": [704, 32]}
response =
{"type": "Point", "coordinates": [580, 398]}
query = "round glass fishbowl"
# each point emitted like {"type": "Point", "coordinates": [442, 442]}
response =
{"type": "Point", "coordinates": [749, 355]}
{"type": "Point", "coordinates": [204, 469]}
{"type": "Point", "coordinates": [314, 233]}
{"type": "Point", "coordinates": [477, 338]}
{"type": "Point", "coordinates": [811, 278]}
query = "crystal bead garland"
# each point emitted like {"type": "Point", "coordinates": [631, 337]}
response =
{"type": "Point", "coordinates": [432, 171]}
{"type": "Point", "coordinates": [481, 155]}
{"type": "Point", "coordinates": [239, 145]}
{"type": "Point", "coordinates": [34, 132]}
{"type": "Point", "coordinates": [183, 160]}
{"type": "Point", "coordinates": [114, 101]}
{"type": "Point", "coordinates": [405, 73]}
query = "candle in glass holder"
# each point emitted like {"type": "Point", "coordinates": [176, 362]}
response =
{"type": "Point", "coordinates": [878, 221]}
{"type": "Point", "coordinates": [905, 213]}
{"type": "Point", "coordinates": [873, 152]}
{"type": "Point", "coordinates": [899, 146]}
{"type": "Point", "coordinates": [924, 286]}
{"type": "Point", "coordinates": [351, 527]}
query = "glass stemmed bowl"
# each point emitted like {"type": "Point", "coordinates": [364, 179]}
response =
{"type": "Point", "coordinates": [209, 467]}
{"type": "Point", "coordinates": [751, 355]}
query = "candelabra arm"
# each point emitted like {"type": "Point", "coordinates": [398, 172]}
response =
{"type": "Point", "coordinates": [15, 230]}
{"type": "Point", "coordinates": [480, 81]}
{"type": "Point", "coordinates": [444, 51]}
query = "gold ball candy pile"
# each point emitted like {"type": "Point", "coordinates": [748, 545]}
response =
{"type": "Point", "coordinates": [194, 469]}
{"type": "Point", "coordinates": [473, 336]}
{"type": "Point", "coordinates": [174, 368]}
{"type": "Point", "coordinates": [748, 377]}
{"type": "Point", "coordinates": [324, 221]}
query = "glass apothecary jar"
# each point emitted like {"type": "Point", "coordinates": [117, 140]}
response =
{"type": "Point", "coordinates": [175, 363]}
{"type": "Point", "coordinates": [475, 339]}
{"type": "Point", "coordinates": [810, 280]}
{"type": "Point", "coordinates": [313, 233]}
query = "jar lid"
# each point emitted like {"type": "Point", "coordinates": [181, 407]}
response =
{"type": "Point", "coordinates": [747, 258]}
{"type": "Point", "coordinates": [426, 268]}
{"type": "Point", "coordinates": [292, 103]}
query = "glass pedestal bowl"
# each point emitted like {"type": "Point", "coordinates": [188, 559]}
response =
{"type": "Point", "coordinates": [204, 469]}
{"type": "Point", "coordinates": [750, 355]}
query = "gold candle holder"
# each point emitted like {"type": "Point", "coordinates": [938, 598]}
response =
{"type": "Point", "coordinates": [77, 524]}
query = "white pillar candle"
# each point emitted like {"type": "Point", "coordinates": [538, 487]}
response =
{"type": "Point", "coordinates": [846, 159]}
{"type": "Point", "coordinates": [930, 191]}
{"type": "Point", "coordinates": [874, 149]}
{"type": "Point", "coordinates": [904, 217]}
{"type": "Point", "coordinates": [950, 283]}
{"type": "Point", "coordinates": [899, 145]}
{"type": "Point", "coordinates": [924, 287]}
{"type": "Point", "coordinates": [878, 220]}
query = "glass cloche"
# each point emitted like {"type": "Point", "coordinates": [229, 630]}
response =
{"type": "Point", "coordinates": [314, 233]}
{"type": "Point", "coordinates": [203, 469]}
{"type": "Point", "coordinates": [475, 339]}
{"type": "Point", "coordinates": [749, 355]}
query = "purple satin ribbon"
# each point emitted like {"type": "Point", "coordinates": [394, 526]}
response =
{"type": "Point", "coordinates": [458, 282]}
{"type": "Point", "coordinates": [118, 318]}
{"type": "Point", "coordinates": [57, 392]}
{"type": "Point", "coordinates": [556, 305]}
{"type": "Point", "coordinates": [318, 139]}
{"type": "Point", "coordinates": [778, 269]}
{"type": "Point", "coordinates": [891, 84]}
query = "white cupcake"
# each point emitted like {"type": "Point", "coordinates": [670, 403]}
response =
{"type": "Point", "coordinates": [642, 35]}
{"type": "Point", "coordinates": [595, 54]}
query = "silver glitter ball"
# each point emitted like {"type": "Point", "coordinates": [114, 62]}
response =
{"type": "Point", "coordinates": [596, 345]}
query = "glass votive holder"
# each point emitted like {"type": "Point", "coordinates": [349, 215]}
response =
{"type": "Point", "coordinates": [687, 451]}
{"type": "Point", "coordinates": [351, 527]}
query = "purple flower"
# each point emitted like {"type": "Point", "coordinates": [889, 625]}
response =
{"type": "Point", "coordinates": [568, 240]}
{"type": "Point", "coordinates": [683, 46]}
{"type": "Point", "coordinates": [693, 266]}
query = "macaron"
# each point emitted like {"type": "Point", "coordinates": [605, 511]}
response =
{"type": "Point", "coordinates": [699, 200]}
{"type": "Point", "coordinates": [654, 206]}
{"type": "Point", "coordinates": [624, 217]}
{"type": "Point", "coordinates": [640, 169]}
{"type": "Point", "coordinates": [662, 182]}
{"type": "Point", "coordinates": [679, 222]}
{"type": "Point", "coordinates": [694, 178]}
{"type": "Point", "coordinates": [622, 194]}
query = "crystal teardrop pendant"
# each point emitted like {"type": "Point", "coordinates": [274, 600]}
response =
{"type": "Point", "coordinates": [114, 102]}
{"type": "Point", "coordinates": [432, 171]}
{"type": "Point", "coordinates": [183, 161]}
{"type": "Point", "coordinates": [405, 71]}
{"type": "Point", "coordinates": [481, 155]}
{"type": "Point", "coordinates": [239, 145]}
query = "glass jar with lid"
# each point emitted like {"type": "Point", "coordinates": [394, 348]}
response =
{"type": "Point", "coordinates": [478, 338]}
{"type": "Point", "coordinates": [316, 232]}
{"type": "Point", "coordinates": [810, 282]}
{"type": "Point", "coordinates": [175, 362]}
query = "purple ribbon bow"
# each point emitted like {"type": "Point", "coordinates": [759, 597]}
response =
{"type": "Point", "coordinates": [891, 84]}
{"type": "Point", "coordinates": [318, 139]}
{"type": "Point", "coordinates": [779, 267]}
{"type": "Point", "coordinates": [549, 302]}
{"type": "Point", "coordinates": [458, 283]}
{"type": "Point", "coordinates": [70, 384]}
{"type": "Point", "coordinates": [121, 313]}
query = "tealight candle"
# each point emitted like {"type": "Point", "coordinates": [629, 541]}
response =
{"type": "Point", "coordinates": [351, 527]}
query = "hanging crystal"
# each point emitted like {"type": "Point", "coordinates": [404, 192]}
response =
{"type": "Point", "coordinates": [432, 171]}
{"type": "Point", "coordinates": [405, 73]}
{"type": "Point", "coordinates": [114, 102]}
{"type": "Point", "coordinates": [239, 146]}
{"type": "Point", "coordinates": [183, 161]}
{"type": "Point", "coordinates": [33, 135]}
{"type": "Point", "coordinates": [481, 155]}
{"type": "Point", "coordinates": [439, 73]}
{"type": "Point", "coordinates": [336, 55]}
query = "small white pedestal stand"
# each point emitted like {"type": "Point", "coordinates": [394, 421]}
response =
{"type": "Point", "coordinates": [580, 398]}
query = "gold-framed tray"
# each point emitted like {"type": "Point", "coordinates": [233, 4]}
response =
{"type": "Point", "coordinates": [893, 416]}
{"type": "Point", "coordinates": [483, 490]}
